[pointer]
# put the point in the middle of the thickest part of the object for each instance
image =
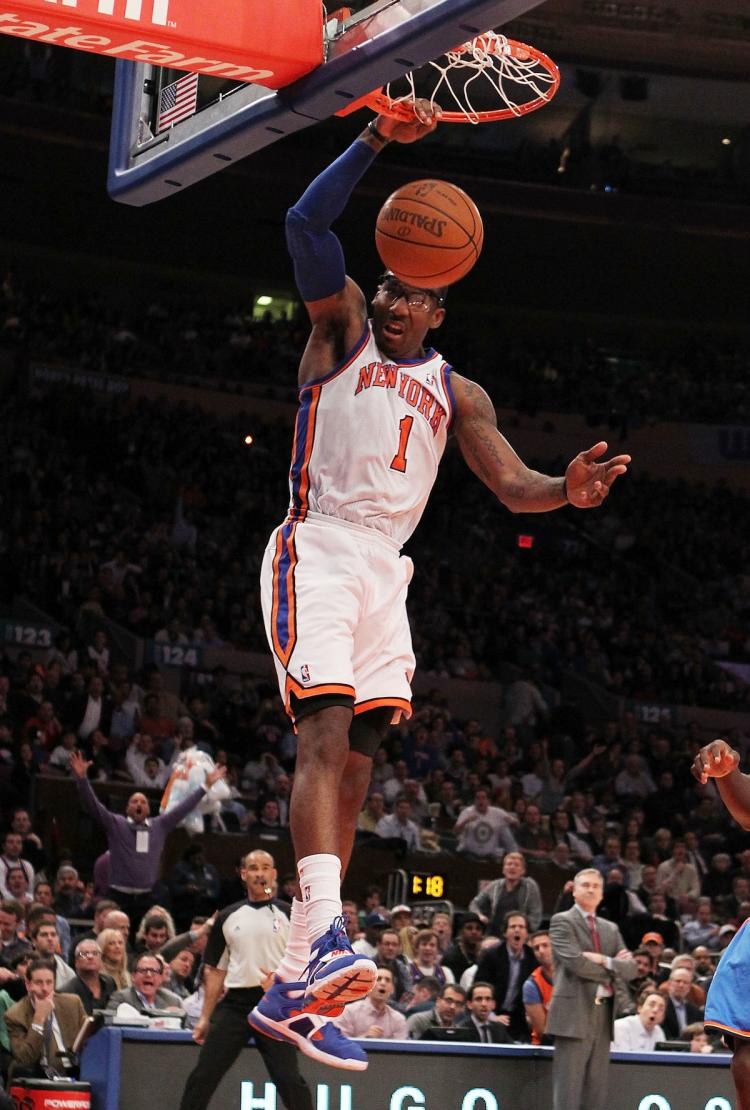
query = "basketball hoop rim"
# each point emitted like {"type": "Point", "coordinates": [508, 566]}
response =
{"type": "Point", "coordinates": [403, 110]}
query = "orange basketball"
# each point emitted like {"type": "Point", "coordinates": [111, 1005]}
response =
{"type": "Point", "coordinates": [429, 233]}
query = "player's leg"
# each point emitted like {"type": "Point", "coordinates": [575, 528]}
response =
{"type": "Point", "coordinates": [366, 734]}
{"type": "Point", "coordinates": [741, 1072]}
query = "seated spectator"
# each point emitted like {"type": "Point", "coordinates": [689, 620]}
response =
{"type": "Point", "coordinates": [180, 969]}
{"type": "Point", "coordinates": [60, 756]}
{"type": "Point", "coordinates": [514, 891]}
{"type": "Point", "coordinates": [399, 826]}
{"type": "Point", "coordinates": [479, 1025]}
{"type": "Point", "coordinates": [195, 885]}
{"type": "Point", "coordinates": [11, 860]}
{"type": "Point", "coordinates": [43, 730]}
{"type": "Point", "coordinates": [641, 1031]}
{"type": "Point", "coordinates": [450, 806]}
{"type": "Point", "coordinates": [18, 888]}
{"type": "Point", "coordinates": [700, 928]}
{"type": "Point", "coordinates": [388, 955]}
{"type": "Point", "coordinates": [507, 966]}
{"type": "Point", "coordinates": [483, 830]}
{"type": "Point", "coordinates": [704, 967]}
{"type": "Point", "coordinates": [90, 710]}
{"type": "Point", "coordinates": [90, 983]}
{"type": "Point", "coordinates": [448, 1008]}
{"type": "Point", "coordinates": [579, 851]}
{"type": "Point", "coordinates": [373, 1016]}
{"type": "Point", "coordinates": [44, 897]}
{"type": "Point", "coordinates": [653, 923]}
{"type": "Point", "coordinates": [426, 960]}
{"type": "Point", "coordinates": [373, 811]}
{"type": "Point", "coordinates": [147, 992]}
{"type": "Point", "coordinates": [717, 884]}
{"type": "Point", "coordinates": [375, 924]}
{"type": "Point", "coordinates": [269, 818]}
{"type": "Point", "coordinates": [70, 901]}
{"type": "Point", "coordinates": [679, 1012]}
{"type": "Point", "coordinates": [538, 986]}
{"type": "Point", "coordinates": [609, 858]}
{"type": "Point", "coordinates": [531, 837]}
{"type": "Point", "coordinates": [155, 929]}
{"type": "Point", "coordinates": [442, 926]}
{"type": "Point", "coordinates": [697, 1037]}
{"type": "Point", "coordinates": [645, 979]}
{"type": "Point", "coordinates": [114, 956]}
{"type": "Point", "coordinates": [634, 783]}
{"type": "Point", "coordinates": [464, 950]}
{"type": "Point", "coordinates": [678, 878]}
{"type": "Point", "coordinates": [420, 997]}
{"type": "Point", "coordinates": [26, 1022]}
{"type": "Point", "coordinates": [32, 848]}
{"type": "Point", "coordinates": [697, 993]}
{"type": "Point", "coordinates": [46, 943]}
{"type": "Point", "coordinates": [632, 864]}
{"type": "Point", "coordinates": [156, 724]}
{"type": "Point", "coordinates": [11, 943]}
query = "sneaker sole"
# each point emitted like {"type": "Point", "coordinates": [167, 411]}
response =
{"type": "Point", "coordinates": [350, 984]}
{"type": "Point", "coordinates": [280, 1031]}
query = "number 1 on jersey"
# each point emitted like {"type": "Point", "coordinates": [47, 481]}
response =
{"type": "Point", "coordinates": [399, 459]}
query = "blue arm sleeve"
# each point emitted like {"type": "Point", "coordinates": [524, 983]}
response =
{"type": "Point", "coordinates": [319, 268]}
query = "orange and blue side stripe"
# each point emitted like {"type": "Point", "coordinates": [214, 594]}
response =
{"type": "Point", "coordinates": [284, 608]}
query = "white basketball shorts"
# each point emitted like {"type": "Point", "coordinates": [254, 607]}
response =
{"type": "Point", "coordinates": [334, 606]}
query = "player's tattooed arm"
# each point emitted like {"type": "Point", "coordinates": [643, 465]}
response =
{"type": "Point", "coordinates": [588, 477]}
{"type": "Point", "coordinates": [493, 460]}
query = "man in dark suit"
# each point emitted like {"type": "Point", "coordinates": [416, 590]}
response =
{"type": "Point", "coordinates": [679, 1011]}
{"type": "Point", "coordinates": [90, 711]}
{"type": "Point", "coordinates": [92, 986]}
{"type": "Point", "coordinates": [44, 1024]}
{"type": "Point", "coordinates": [478, 1024]}
{"type": "Point", "coordinates": [505, 967]}
{"type": "Point", "coordinates": [147, 992]}
{"type": "Point", "coordinates": [589, 956]}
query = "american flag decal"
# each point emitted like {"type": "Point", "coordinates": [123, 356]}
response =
{"type": "Point", "coordinates": [177, 101]}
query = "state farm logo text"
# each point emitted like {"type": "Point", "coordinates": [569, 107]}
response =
{"type": "Point", "coordinates": [133, 9]}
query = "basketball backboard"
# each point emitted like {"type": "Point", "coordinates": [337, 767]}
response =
{"type": "Point", "coordinates": [362, 51]}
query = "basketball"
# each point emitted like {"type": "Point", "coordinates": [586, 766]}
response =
{"type": "Point", "coordinates": [429, 233]}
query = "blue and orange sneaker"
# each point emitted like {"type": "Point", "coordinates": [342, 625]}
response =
{"type": "Point", "coordinates": [336, 974]}
{"type": "Point", "coordinates": [282, 1017]}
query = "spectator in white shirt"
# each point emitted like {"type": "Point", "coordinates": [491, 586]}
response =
{"type": "Point", "coordinates": [11, 860]}
{"type": "Point", "coordinates": [140, 748]}
{"type": "Point", "coordinates": [484, 831]}
{"type": "Point", "coordinates": [372, 1016]}
{"type": "Point", "coordinates": [641, 1031]}
{"type": "Point", "coordinates": [398, 825]}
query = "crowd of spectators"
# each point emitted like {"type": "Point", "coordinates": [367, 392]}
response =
{"type": "Point", "coordinates": [622, 382]}
{"type": "Point", "coordinates": [619, 798]}
{"type": "Point", "coordinates": [155, 516]}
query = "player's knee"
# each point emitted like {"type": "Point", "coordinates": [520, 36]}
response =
{"type": "Point", "coordinates": [324, 739]}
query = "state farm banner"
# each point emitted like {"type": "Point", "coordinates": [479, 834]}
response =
{"type": "Point", "coordinates": [256, 41]}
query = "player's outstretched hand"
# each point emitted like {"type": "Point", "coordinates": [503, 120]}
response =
{"type": "Point", "coordinates": [714, 761]}
{"type": "Point", "coordinates": [589, 481]}
{"type": "Point", "coordinates": [426, 118]}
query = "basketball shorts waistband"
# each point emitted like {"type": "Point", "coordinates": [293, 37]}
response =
{"type": "Point", "coordinates": [370, 534]}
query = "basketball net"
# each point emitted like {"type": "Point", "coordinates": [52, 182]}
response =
{"type": "Point", "coordinates": [468, 82]}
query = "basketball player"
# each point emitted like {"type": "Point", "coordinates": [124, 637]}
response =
{"type": "Point", "coordinates": [376, 408]}
{"type": "Point", "coordinates": [728, 1000]}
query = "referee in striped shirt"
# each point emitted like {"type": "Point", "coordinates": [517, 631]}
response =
{"type": "Point", "coordinates": [246, 941]}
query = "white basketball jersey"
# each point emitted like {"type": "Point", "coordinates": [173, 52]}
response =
{"type": "Point", "coordinates": [368, 439]}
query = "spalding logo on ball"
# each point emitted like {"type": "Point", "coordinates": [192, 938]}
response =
{"type": "Point", "coordinates": [429, 233]}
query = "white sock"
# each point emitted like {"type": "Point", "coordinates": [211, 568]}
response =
{"type": "Point", "coordinates": [320, 884]}
{"type": "Point", "coordinates": [297, 952]}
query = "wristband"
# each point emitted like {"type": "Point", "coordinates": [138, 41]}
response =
{"type": "Point", "coordinates": [372, 127]}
